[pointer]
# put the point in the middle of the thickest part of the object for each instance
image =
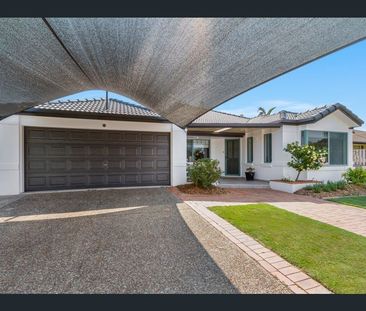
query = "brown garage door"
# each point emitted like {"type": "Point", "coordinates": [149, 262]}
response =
{"type": "Point", "coordinates": [70, 158]}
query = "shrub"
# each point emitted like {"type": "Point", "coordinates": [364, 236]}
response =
{"type": "Point", "coordinates": [327, 187]}
{"type": "Point", "coordinates": [204, 172]}
{"type": "Point", "coordinates": [305, 157]}
{"type": "Point", "coordinates": [356, 176]}
{"type": "Point", "coordinates": [341, 184]}
{"type": "Point", "coordinates": [317, 188]}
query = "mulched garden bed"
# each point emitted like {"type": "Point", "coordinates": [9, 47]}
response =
{"type": "Point", "coordinates": [350, 190]}
{"type": "Point", "coordinates": [192, 189]}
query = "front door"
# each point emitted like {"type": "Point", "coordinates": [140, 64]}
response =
{"type": "Point", "coordinates": [232, 157]}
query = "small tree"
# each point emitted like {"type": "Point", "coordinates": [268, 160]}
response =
{"type": "Point", "coordinates": [305, 157]}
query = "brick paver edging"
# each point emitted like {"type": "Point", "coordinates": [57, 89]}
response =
{"type": "Point", "coordinates": [295, 279]}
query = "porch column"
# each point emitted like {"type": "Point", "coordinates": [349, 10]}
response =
{"type": "Point", "coordinates": [178, 152]}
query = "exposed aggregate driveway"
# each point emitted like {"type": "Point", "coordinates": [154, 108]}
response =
{"type": "Point", "coordinates": [149, 249]}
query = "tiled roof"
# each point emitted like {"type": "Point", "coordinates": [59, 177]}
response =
{"type": "Point", "coordinates": [211, 118]}
{"type": "Point", "coordinates": [289, 116]}
{"type": "Point", "coordinates": [359, 137]}
{"type": "Point", "coordinates": [97, 106]}
{"type": "Point", "coordinates": [284, 117]}
{"type": "Point", "coordinates": [220, 117]}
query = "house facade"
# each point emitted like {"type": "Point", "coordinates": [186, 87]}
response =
{"type": "Point", "coordinates": [94, 143]}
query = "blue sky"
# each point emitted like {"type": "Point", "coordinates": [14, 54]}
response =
{"type": "Point", "coordinates": [338, 77]}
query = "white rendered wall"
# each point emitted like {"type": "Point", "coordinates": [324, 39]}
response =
{"type": "Point", "coordinates": [217, 151]}
{"type": "Point", "coordinates": [335, 122]}
{"type": "Point", "coordinates": [10, 161]}
{"type": "Point", "coordinates": [178, 143]}
{"type": "Point", "coordinates": [266, 171]}
{"type": "Point", "coordinates": [217, 145]}
{"type": "Point", "coordinates": [11, 142]}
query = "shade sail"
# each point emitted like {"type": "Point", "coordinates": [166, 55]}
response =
{"type": "Point", "coordinates": [178, 67]}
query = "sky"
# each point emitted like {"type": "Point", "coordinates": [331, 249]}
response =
{"type": "Point", "coordinates": [339, 77]}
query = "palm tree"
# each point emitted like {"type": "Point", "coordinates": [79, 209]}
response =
{"type": "Point", "coordinates": [263, 112]}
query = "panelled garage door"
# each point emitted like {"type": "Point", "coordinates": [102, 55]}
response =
{"type": "Point", "coordinates": [70, 158]}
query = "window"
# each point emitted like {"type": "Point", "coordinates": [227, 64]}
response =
{"type": "Point", "coordinates": [334, 142]}
{"type": "Point", "coordinates": [338, 148]}
{"type": "Point", "coordinates": [197, 149]}
{"type": "Point", "coordinates": [268, 148]}
{"type": "Point", "coordinates": [250, 150]}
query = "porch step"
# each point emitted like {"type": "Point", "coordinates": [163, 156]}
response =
{"type": "Point", "coordinates": [240, 183]}
{"type": "Point", "coordinates": [244, 186]}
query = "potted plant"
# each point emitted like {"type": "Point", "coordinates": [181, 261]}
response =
{"type": "Point", "coordinates": [250, 172]}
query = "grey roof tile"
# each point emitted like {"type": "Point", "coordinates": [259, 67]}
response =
{"type": "Point", "coordinates": [220, 117]}
{"type": "Point", "coordinates": [115, 106]}
{"type": "Point", "coordinates": [217, 118]}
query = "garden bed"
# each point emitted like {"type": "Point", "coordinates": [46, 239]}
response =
{"type": "Point", "coordinates": [192, 189]}
{"type": "Point", "coordinates": [350, 190]}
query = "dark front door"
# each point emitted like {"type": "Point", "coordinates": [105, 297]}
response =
{"type": "Point", "coordinates": [232, 157]}
{"type": "Point", "coordinates": [70, 158]}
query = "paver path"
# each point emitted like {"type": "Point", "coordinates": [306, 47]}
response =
{"type": "Point", "coordinates": [343, 216]}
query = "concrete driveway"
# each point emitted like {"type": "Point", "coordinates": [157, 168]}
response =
{"type": "Point", "coordinates": [119, 241]}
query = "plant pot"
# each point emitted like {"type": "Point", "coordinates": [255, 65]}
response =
{"type": "Point", "coordinates": [249, 175]}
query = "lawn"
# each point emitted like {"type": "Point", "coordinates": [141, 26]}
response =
{"type": "Point", "coordinates": [334, 257]}
{"type": "Point", "coordinates": [359, 201]}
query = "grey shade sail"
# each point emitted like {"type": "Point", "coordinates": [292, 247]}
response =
{"type": "Point", "coordinates": [178, 67]}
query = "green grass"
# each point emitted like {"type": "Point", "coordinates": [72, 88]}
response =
{"type": "Point", "coordinates": [358, 201]}
{"type": "Point", "coordinates": [334, 257]}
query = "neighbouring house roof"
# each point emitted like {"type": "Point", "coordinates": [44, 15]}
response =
{"type": "Point", "coordinates": [122, 110]}
{"type": "Point", "coordinates": [359, 137]}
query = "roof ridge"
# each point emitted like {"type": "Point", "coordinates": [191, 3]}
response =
{"type": "Point", "coordinates": [230, 114]}
{"type": "Point", "coordinates": [87, 100]}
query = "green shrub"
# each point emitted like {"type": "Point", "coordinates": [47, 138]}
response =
{"type": "Point", "coordinates": [356, 176]}
{"type": "Point", "coordinates": [204, 172]}
{"type": "Point", "coordinates": [305, 157]}
{"type": "Point", "coordinates": [317, 188]}
{"type": "Point", "coordinates": [331, 186]}
{"type": "Point", "coordinates": [342, 184]}
{"type": "Point", "coordinates": [328, 187]}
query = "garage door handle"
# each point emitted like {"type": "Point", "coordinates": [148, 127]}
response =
{"type": "Point", "coordinates": [105, 164]}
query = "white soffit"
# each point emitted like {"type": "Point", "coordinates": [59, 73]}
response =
{"type": "Point", "coordinates": [178, 67]}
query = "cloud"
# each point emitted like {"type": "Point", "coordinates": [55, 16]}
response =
{"type": "Point", "coordinates": [280, 104]}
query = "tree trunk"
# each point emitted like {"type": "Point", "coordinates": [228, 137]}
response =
{"type": "Point", "coordinates": [298, 175]}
